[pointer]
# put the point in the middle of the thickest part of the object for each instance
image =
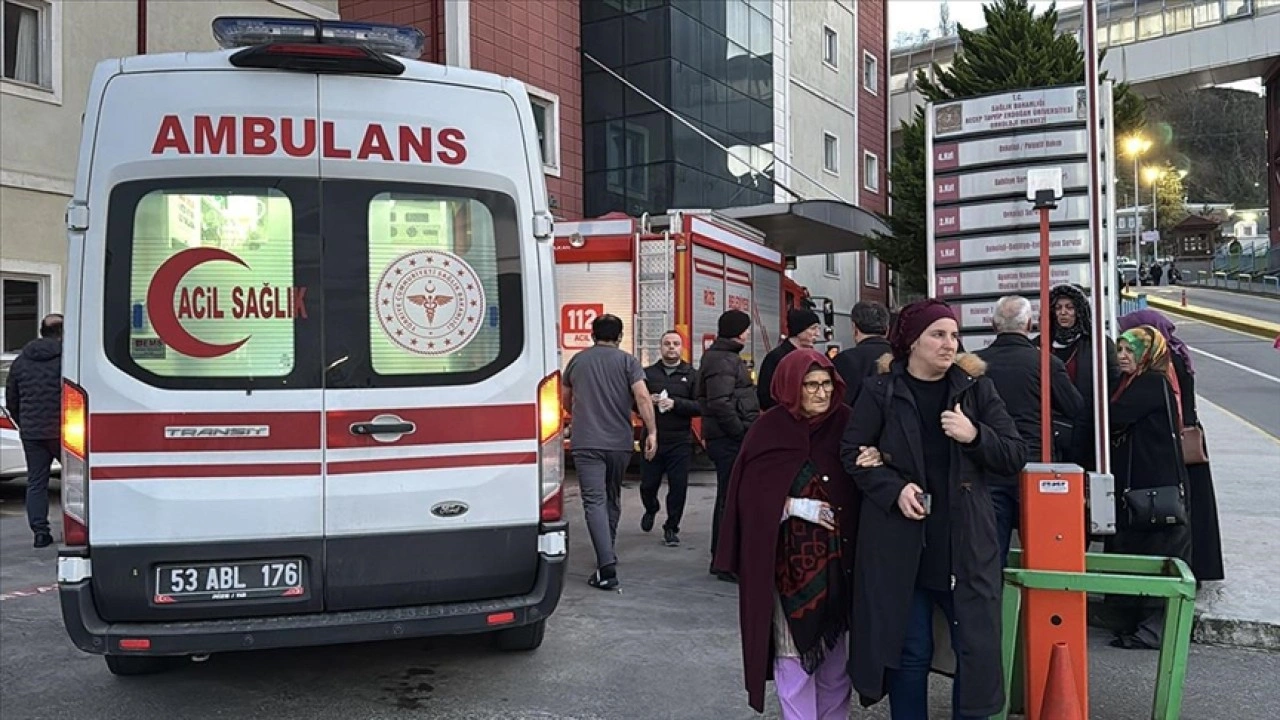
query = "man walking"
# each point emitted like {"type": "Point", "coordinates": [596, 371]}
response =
{"type": "Point", "coordinates": [33, 397]}
{"type": "Point", "coordinates": [803, 331]}
{"type": "Point", "coordinates": [729, 405]}
{"type": "Point", "coordinates": [600, 384]}
{"type": "Point", "coordinates": [870, 330]}
{"type": "Point", "coordinates": [671, 382]}
{"type": "Point", "coordinates": [1013, 364]}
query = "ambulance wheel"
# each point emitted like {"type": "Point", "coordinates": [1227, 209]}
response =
{"type": "Point", "coordinates": [528, 637]}
{"type": "Point", "coordinates": [126, 665]}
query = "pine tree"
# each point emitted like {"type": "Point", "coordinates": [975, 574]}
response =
{"type": "Point", "coordinates": [1017, 50]}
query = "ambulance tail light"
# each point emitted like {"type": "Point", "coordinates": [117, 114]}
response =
{"type": "Point", "coordinates": [318, 45]}
{"type": "Point", "coordinates": [75, 464]}
{"type": "Point", "coordinates": [550, 448]}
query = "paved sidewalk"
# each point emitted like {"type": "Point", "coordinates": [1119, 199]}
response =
{"type": "Point", "coordinates": [1244, 609]}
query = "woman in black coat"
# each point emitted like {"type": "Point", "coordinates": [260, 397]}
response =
{"type": "Point", "coordinates": [1202, 501]}
{"type": "Point", "coordinates": [927, 532]}
{"type": "Point", "coordinates": [1147, 454]}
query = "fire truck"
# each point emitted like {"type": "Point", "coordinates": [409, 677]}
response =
{"type": "Point", "coordinates": [678, 271]}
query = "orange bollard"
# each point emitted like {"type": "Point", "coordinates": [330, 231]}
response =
{"type": "Point", "coordinates": [1053, 538]}
{"type": "Point", "coordinates": [1061, 700]}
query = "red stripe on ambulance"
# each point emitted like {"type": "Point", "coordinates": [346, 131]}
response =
{"type": "Point", "coordinates": [152, 432]}
{"type": "Point", "coordinates": [302, 137]}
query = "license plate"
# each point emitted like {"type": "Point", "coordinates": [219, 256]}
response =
{"type": "Point", "coordinates": [240, 580]}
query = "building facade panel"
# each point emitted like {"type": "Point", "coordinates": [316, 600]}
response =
{"type": "Point", "coordinates": [41, 110]}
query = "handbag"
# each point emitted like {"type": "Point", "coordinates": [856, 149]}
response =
{"type": "Point", "coordinates": [1193, 452]}
{"type": "Point", "coordinates": [1156, 508]}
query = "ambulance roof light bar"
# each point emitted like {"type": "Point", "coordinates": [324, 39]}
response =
{"type": "Point", "coordinates": [244, 32]}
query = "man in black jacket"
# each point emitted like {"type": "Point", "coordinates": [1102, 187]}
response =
{"type": "Point", "coordinates": [803, 331]}
{"type": "Point", "coordinates": [870, 328]}
{"type": "Point", "coordinates": [1013, 363]}
{"type": "Point", "coordinates": [728, 404]}
{"type": "Point", "coordinates": [672, 384]}
{"type": "Point", "coordinates": [33, 397]}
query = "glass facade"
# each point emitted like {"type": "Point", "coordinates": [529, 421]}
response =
{"type": "Point", "coordinates": [711, 61]}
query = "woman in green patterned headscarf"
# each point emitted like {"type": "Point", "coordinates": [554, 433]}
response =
{"type": "Point", "coordinates": [1147, 454]}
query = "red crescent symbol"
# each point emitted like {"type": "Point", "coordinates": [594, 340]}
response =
{"type": "Point", "coordinates": [164, 285]}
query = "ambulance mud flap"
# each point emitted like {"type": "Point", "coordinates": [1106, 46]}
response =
{"type": "Point", "coordinates": [90, 633]}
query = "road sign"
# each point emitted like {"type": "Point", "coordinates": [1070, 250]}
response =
{"type": "Point", "coordinates": [1011, 111]}
{"type": "Point", "coordinates": [1052, 144]}
{"type": "Point", "coordinates": [1006, 214]}
{"type": "Point", "coordinates": [1006, 280]}
{"type": "Point", "coordinates": [1005, 247]}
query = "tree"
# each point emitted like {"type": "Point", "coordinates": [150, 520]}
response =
{"type": "Point", "coordinates": [1017, 50]}
{"type": "Point", "coordinates": [946, 26]}
{"type": "Point", "coordinates": [1219, 136]}
{"type": "Point", "coordinates": [906, 38]}
{"type": "Point", "coordinates": [1171, 206]}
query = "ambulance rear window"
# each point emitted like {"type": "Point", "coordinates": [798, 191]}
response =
{"type": "Point", "coordinates": [211, 284]}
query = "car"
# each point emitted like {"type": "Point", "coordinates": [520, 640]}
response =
{"type": "Point", "coordinates": [1128, 271]}
{"type": "Point", "coordinates": [13, 463]}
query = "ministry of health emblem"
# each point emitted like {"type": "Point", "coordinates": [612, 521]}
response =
{"type": "Point", "coordinates": [430, 302]}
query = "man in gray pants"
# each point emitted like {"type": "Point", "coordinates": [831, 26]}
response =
{"type": "Point", "coordinates": [601, 386]}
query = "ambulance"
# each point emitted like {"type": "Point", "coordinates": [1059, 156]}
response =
{"type": "Point", "coordinates": [312, 392]}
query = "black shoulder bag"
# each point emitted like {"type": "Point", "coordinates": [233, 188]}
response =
{"type": "Point", "coordinates": [1156, 508]}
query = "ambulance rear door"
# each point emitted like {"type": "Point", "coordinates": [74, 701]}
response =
{"type": "Point", "coordinates": [435, 339]}
{"type": "Point", "coordinates": [195, 342]}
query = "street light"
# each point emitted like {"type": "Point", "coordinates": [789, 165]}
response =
{"type": "Point", "coordinates": [1153, 175]}
{"type": "Point", "coordinates": [1134, 147]}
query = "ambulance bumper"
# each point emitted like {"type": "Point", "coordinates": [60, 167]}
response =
{"type": "Point", "coordinates": [92, 634]}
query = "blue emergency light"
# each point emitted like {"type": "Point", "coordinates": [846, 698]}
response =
{"type": "Point", "coordinates": [244, 32]}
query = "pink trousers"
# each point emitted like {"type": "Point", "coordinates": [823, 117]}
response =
{"type": "Point", "coordinates": [824, 695]}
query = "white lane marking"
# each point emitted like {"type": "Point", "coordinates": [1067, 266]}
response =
{"type": "Point", "coordinates": [1237, 365]}
{"type": "Point", "coordinates": [41, 590]}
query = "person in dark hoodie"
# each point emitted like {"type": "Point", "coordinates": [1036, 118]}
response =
{"type": "Point", "coordinates": [1072, 338]}
{"type": "Point", "coordinates": [729, 406]}
{"type": "Point", "coordinates": [926, 529]}
{"type": "Point", "coordinates": [870, 329]}
{"type": "Point", "coordinates": [33, 397]}
{"type": "Point", "coordinates": [803, 331]}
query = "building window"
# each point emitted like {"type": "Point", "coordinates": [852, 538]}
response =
{"type": "Point", "coordinates": [830, 153]}
{"type": "Point", "coordinates": [832, 266]}
{"type": "Point", "coordinates": [871, 172]}
{"type": "Point", "coordinates": [871, 271]}
{"type": "Point", "coordinates": [830, 48]}
{"type": "Point", "coordinates": [27, 45]}
{"type": "Point", "coordinates": [23, 300]}
{"type": "Point", "coordinates": [625, 154]}
{"type": "Point", "coordinates": [546, 117]}
{"type": "Point", "coordinates": [870, 73]}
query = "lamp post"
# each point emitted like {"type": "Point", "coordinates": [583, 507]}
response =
{"type": "Point", "coordinates": [1134, 147]}
{"type": "Point", "coordinates": [1153, 175]}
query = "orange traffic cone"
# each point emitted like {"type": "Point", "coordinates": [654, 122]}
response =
{"type": "Point", "coordinates": [1061, 702]}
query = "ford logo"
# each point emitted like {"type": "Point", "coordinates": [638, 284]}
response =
{"type": "Point", "coordinates": [449, 509]}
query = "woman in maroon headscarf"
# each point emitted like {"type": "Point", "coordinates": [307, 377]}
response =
{"type": "Point", "coordinates": [789, 524]}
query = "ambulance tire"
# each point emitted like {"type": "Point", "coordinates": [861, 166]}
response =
{"type": "Point", "coordinates": [123, 665]}
{"type": "Point", "coordinates": [521, 639]}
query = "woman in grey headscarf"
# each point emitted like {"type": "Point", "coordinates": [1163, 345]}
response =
{"type": "Point", "coordinates": [1072, 338]}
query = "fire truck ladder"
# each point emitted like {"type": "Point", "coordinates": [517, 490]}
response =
{"type": "Point", "coordinates": [655, 273]}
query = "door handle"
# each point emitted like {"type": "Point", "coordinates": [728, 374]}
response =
{"type": "Point", "coordinates": [382, 428]}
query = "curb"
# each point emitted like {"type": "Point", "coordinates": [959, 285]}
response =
{"type": "Point", "coordinates": [1252, 634]}
{"type": "Point", "coordinates": [1260, 328]}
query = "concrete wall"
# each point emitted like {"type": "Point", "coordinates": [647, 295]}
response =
{"type": "Point", "coordinates": [40, 142]}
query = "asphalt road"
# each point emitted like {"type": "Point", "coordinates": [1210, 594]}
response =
{"type": "Point", "coordinates": [1254, 306]}
{"type": "Point", "coordinates": [666, 646]}
{"type": "Point", "coordinates": [1238, 372]}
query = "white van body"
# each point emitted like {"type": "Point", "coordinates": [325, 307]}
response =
{"type": "Point", "coordinates": [310, 345]}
